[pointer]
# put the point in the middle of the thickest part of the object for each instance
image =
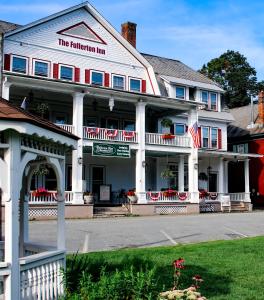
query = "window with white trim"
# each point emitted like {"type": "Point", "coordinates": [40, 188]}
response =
{"type": "Point", "coordinates": [179, 129]}
{"type": "Point", "coordinates": [214, 137]}
{"type": "Point", "coordinates": [118, 82]}
{"type": "Point", "coordinates": [213, 101]}
{"type": "Point", "coordinates": [205, 137]}
{"type": "Point", "coordinates": [19, 64]}
{"type": "Point", "coordinates": [66, 72]}
{"type": "Point", "coordinates": [134, 85]}
{"type": "Point", "coordinates": [204, 96]}
{"type": "Point", "coordinates": [41, 68]}
{"type": "Point", "coordinates": [209, 98]}
{"type": "Point", "coordinates": [129, 125]}
{"type": "Point", "coordinates": [97, 78]}
{"type": "Point", "coordinates": [180, 92]}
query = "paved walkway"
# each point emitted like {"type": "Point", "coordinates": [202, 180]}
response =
{"type": "Point", "coordinates": [114, 233]}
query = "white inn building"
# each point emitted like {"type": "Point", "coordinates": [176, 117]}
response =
{"type": "Point", "coordinates": [80, 73]}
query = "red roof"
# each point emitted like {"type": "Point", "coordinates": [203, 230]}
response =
{"type": "Point", "coordinates": [9, 111]}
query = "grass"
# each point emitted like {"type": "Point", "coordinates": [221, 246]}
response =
{"type": "Point", "coordinates": [230, 269]}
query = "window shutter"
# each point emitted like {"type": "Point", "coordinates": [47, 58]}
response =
{"type": "Point", "coordinates": [87, 76]}
{"type": "Point", "coordinates": [186, 128]}
{"type": "Point", "coordinates": [77, 74]}
{"type": "Point", "coordinates": [7, 62]}
{"type": "Point", "coordinates": [55, 71]}
{"type": "Point", "coordinates": [200, 136]}
{"type": "Point", "coordinates": [219, 137]}
{"type": "Point", "coordinates": [106, 79]}
{"type": "Point", "coordinates": [143, 86]}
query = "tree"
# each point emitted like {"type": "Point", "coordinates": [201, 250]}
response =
{"type": "Point", "coordinates": [235, 75]}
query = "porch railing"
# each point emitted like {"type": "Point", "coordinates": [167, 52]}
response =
{"type": "Point", "coordinates": [50, 198]}
{"type": "Point", "coordinates": [69, 128]}
{"type": "Point", "coordinates": [160, 139]}
{"type": "Point", "coordinates": [105, 134]}
{"type": "Point", "coordinates": [164, 196]}
{"type": "Point", "coordinates": [41, 275]}
{"type": "Point", "coordinates": [214, 196]}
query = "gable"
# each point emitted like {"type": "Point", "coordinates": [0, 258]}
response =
{"type": "Point", "coordinates": [81, 31]}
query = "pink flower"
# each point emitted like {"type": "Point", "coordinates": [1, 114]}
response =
{"type": "Point", "coordinates": [178, 263]}
{"type": "Point", "coordinates": [197, 278]}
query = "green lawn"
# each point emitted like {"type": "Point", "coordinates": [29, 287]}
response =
{"type": "Point", "coordinates": [230, 269]}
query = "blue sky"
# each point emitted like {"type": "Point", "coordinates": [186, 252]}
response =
{"type": "Point", "coordinates": [192, 31]}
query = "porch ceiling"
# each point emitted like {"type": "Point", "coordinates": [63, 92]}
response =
{"type": "Point", "coordinates": [227, 154]}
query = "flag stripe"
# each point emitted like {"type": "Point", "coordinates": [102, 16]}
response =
{"type": "Point", "coordinates": [195, 135]}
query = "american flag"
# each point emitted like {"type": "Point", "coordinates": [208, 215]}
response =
{"type": "Point", "coordinates": [195, 135]}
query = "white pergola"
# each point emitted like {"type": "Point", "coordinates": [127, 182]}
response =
{"type": "Point", "coordinates": [30, 271]}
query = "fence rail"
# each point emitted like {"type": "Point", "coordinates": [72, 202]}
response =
{"type": "Point", "coordinates": [167, 196]}
{"type": "Point", "coordinates": [160, 139]}
{"type": "Point", "coordinates": [69, 128]}
{"type": "Point", "coordinates": [50, 198]}
{"type": "Point", "coordinates": [214, 196]}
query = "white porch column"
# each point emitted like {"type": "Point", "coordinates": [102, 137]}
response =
{"type": "Point", "coordinates": [6, 89]}
{"type": "Point", "coordinates": [226, 176]}
{"type": "Point", "coordinates": [181, 174]}
{"type": "Point", "coordinates": [140, 153]}
{"type": "Point", "coordinates": [193, 162]}
{"type": "Point", "coordinates": [246, 174]}
{"type": "Point", "coordinates": [11, 199]}
{"type": "Point", "coordinates": [77, 155]}
{"type": "Point", "coordinates": [222, 179]}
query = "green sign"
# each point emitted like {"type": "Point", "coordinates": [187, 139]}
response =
{"type": "Point", "coordinates": [111, 150]}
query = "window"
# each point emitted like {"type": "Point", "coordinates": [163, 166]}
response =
{"type": "Point", "coordinates": [180, 92]}
{"type": "Point", "coordinates": [135, 85]}
{"type": "Point", "coordinates": [112, 124]}
{"type": "Point", "coordinates": [205, 137]}
{"type": "Point", "coordinates": [41, 68]}
{"type": "Point", "coordinates": [60, 119]}
{"type": "Point", "coordinates": [179, 129]}
{"type": "Point", "coordinates": [213, 101]}
{"type": "Point", "coordinates": [204, 96]}
{"type": "Point", "coordinates": [97, 78]}
{"type": "Point", "coordinates": [214, 137]}
{"type": "Point", "coordinates": [66, 73]}
{"type": "Point", "coordinates": [118, 82]}
{"type": "Point", "coordinates": [129, 125]}
{"type": "Point", "coordinates": [19, 64]}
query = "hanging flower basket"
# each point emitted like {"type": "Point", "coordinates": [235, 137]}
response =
{"type": "Point", "coordinates": [92, 130]}
{"type": "Point", "coordinates": [213, 196]}
{"type": "Point", "coordinates": [154, 196]}
{"type": "Point", "coordinates": [128, 134]}
{"type": "Point", "coordinates": [183, 196]}
{"type": "Point", "coordinates": [203, 194]}
{"type": "Point", "coordinates": [132, 196]}
{"type": "Point", "coordinates": [170, 193]}
{"type": "Point", "coordinates": [168, 136]}
{"type": "Point", "coordinates": [111, 132]}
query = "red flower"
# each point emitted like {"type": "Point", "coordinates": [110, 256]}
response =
{"type": "Point", "coordinates": [178, 263]}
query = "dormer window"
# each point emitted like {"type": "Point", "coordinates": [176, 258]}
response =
{"type": "Point", "coordinates": [210, 99]}
{"type": "Point", "coordinates": [97, 78]}
{"type": "Point", "coordinates": [204, 96]}
{"type": "Point", "coordinates": [213, 101]}
{"type": "Point", "coordinates": [134, 85]}
{"type": "Point", "coordinates": [118, 82]}
{"type": "Point", "coordinates": [19, 64]}
{"type": "Point", "coordinates": [41, 68]}
{"type": "Point", "coordinates": [180, 92]}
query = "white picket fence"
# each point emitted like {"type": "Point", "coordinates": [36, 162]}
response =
{"type": "Point", "coordinates": [49, 199]}
{"type": "Point", "coordinates": [66, 127]}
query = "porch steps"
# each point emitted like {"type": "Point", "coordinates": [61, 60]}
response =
{"type": "Point", "coordinates": [238, 207]}
{"type": "Point", "coordinates": [107, 211]}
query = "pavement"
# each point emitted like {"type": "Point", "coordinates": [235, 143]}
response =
{"type": "Point", "coordinates": [134, 232]}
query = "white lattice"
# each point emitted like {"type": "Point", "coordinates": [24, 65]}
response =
{"type": "Point", "coordinates": [208, 207]}
{"type": "Point", "coordinates": [170, 209]}
{"type": "Point", "coordinates": [42, 212]}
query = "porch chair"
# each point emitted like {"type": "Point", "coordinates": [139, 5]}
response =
{"type": "Point", "coordinates": [225, 203]}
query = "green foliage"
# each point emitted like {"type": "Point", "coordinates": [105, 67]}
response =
{"type": "Point", "coordinates": [166, 122]}
{"type": "Point", "coordinates": [235, 75]}
{"type": "Point", "coordinates": [126, 284]}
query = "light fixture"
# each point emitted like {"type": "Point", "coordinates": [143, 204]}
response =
{"type": "Point", "coordinates": [143, 164]}
{"type": "Point", "coordinates": [80, 160]}
{"type": "Point", "coordinates": [111, 103]}
{"type": "Point", "coordinates": [195, 166]}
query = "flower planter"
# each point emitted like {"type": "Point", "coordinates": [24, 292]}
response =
{"type": "Point", "coordinates": [88, 199]}
{"type": "Point", "coordinates": [168, 136]}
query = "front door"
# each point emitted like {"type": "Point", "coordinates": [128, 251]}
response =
{"type": "Point", "coordinates": [212, 182]}
{"type": "Point", "coordinates": [98, 178]}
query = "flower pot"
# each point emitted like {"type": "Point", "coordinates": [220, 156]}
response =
{"type": "Point", "coordinates": [88, 199]}
{"type": "Point", "coordinates": [132, 199]}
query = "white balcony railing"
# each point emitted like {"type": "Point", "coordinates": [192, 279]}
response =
{"type": "Point", "coordinates": [167, 196]}
{"type": "Point", "coordinates": [50, 198]}
{"type": "Point", "coordinates": [41, 275]}
{"type": "Point", "coordinates": [160, 139]}
{"type": "Point", "coordinates": [214, 196]}
{"type": "Point", "coordinates": [104, 134]}
{"type": "Point", "coordinates": [66, 127]}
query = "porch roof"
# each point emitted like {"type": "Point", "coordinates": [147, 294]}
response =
{"type": "Point", "coordinates": [227, 154]}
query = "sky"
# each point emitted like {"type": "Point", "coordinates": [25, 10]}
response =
{"type": "Point", "coordinates": [193, 31]}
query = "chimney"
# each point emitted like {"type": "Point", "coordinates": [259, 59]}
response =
{"type": "Point", "coordinates": [260, 119]}
{"type": "Point", "coordinates": [129, 32]}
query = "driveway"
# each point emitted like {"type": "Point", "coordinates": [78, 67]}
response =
{"type": "Point", "coordinates": [123, 232]}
